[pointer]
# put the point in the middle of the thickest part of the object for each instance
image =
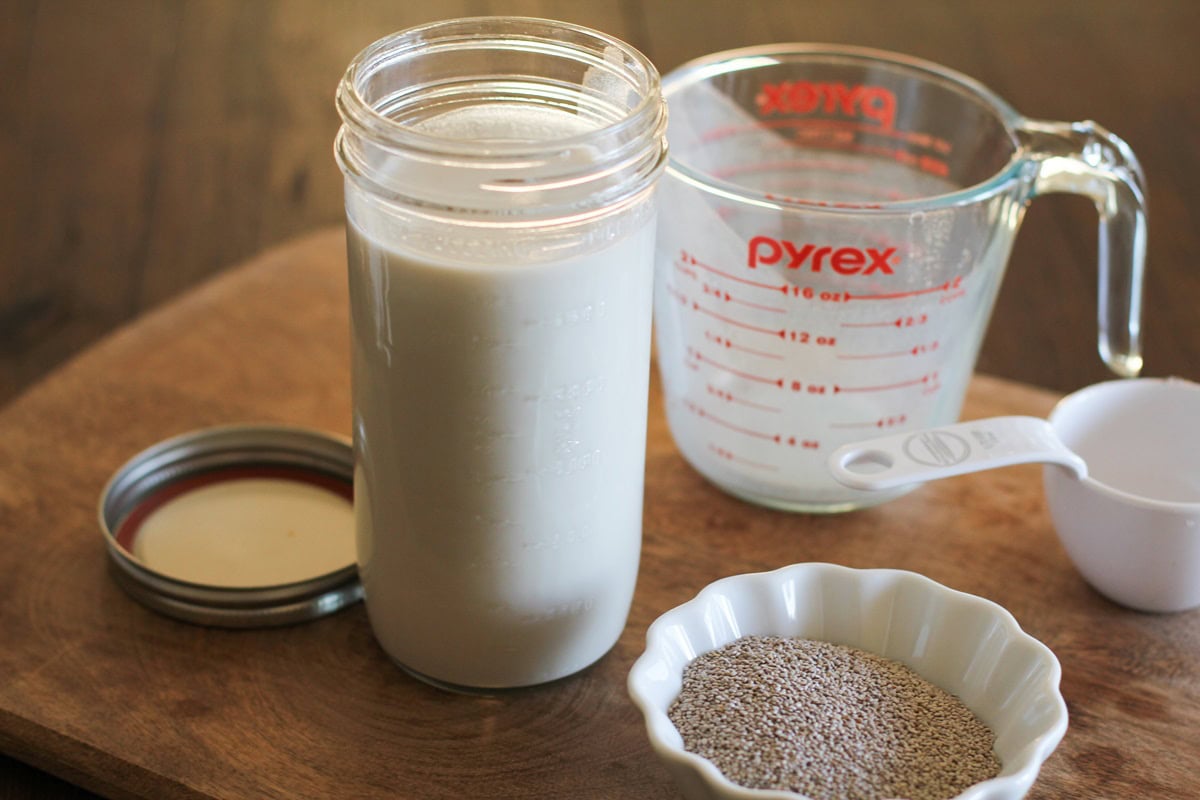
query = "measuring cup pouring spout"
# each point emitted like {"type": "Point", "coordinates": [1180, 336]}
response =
{"type": "Point", "coordinates": [835, 225]}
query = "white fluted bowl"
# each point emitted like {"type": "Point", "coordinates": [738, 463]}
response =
{"type": "Point", "coordinates": [964, 644]}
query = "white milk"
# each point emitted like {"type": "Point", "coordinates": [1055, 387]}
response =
{"type": "Point", "coordinates": [500, 413]}
{"type": "Point", "coordinates": [757, 412]}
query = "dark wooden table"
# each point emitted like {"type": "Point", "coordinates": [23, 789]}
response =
{"type": "Point", "coordinates": [145, 146]}
{"type": "Point", "coordinates": [125, 702]}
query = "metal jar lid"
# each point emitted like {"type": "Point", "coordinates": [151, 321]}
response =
{"type": "Point", "coordinates": [257, 456]}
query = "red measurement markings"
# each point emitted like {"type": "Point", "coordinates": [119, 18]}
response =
{"type": "Point", "coordinates": [686, 270]}
{"type": "Point", "coordinates": [678, 295]}
{"type": "Point", "coordinates": [781, 333]}
{"type": "Point", "coordinates": [794, 166]}
{"type": "Point", "coordinates": [915, 350]}
{"type": "Point", "coordinates": [924, 380]}
{"type": "Point", "coordinates": [883, 422]}
{"type": "Point", "coordinates": [724, 423]}
{"type": "Point", "coordinates": [727, 455]}
{"type": "Point", "coordinates": [951, 296]}
{"type": "Point", "coordinates": [730, 397]}
{"type": "Point", "coordinates": [729, 344]}
{"type": "Point", "coordinates": [777, 438]}
{"type": "Point", "coordinates": [699, 357]}
{"type": "Point", "coordinates": [954, 287]}
{"type": "Point", "coordinates": [925, 349]}
{"type": "Point", "coordinates": [721, 294]}
{"type": "Point", "coordinates": [688, 259]}
{"type": "Point", "coordinates": [925, 140]}
{"type": "Point", "coordinates": [804, 337]}
{"type": "Point", "coordinates": [951, 291]}
{"type": "Point", "coordinates": [899, 322]}
{"type": "Point", "coordinates": [809, 293]}
{"type": "Point", "coordinates": [804, 201]}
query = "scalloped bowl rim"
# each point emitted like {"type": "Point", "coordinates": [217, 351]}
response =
{"type": "Point", "coordinates": [1016, 776]}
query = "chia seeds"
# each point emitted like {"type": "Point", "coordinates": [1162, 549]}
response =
{"type": "Point", "coordinates": [829, 721]}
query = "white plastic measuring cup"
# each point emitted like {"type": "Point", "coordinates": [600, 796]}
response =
{"type": "Point", "coordinates": [834, 226]}
{"type": "Point", "coordinates": [1123, 485]}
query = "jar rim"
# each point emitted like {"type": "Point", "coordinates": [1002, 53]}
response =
{"type": "Point", "coordinates": [421, 74]}
{"type": "Point", "coordinates": [484, 32]}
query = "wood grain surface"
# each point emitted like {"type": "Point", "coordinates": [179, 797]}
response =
{"type": "Point", "coordinates": [130, 704]}
{"type": "Point", "coordinates": [147, 144]}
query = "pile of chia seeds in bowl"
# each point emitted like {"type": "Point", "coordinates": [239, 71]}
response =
{"type": "Point", "coordinates": [829, 721]}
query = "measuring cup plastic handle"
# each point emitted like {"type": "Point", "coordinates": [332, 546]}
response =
{"type": "Point", "coordinates": [905, 458]}
{"type": "Point", "coordinates": [1084, 158]}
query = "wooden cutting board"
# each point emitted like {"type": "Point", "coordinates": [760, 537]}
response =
{"type": "Point", "coordinates": [127, 703]}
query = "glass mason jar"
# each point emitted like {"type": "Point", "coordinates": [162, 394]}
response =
{"type": "Point", "coordinates": [499, 177]}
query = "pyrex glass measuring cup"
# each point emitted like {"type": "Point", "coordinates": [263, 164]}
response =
{"type": "Point", "coordinates": [835, 226]}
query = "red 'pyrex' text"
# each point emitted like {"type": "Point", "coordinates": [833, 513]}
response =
{"type": "Point", "coordinates": [842, 260]}
{"type": "Point", "coordinates": [873, 103]}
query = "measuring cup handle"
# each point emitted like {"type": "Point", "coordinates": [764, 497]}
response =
{"type": "Point", "coordinates": [906, 458]}
{"type": "Point", "coordinates": [1084, 158]}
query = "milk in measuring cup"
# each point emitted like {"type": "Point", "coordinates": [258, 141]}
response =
{"type": "Point", "coordinates": [779, 343]}
{"type": "Point", "coordinates": [500, 411]}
